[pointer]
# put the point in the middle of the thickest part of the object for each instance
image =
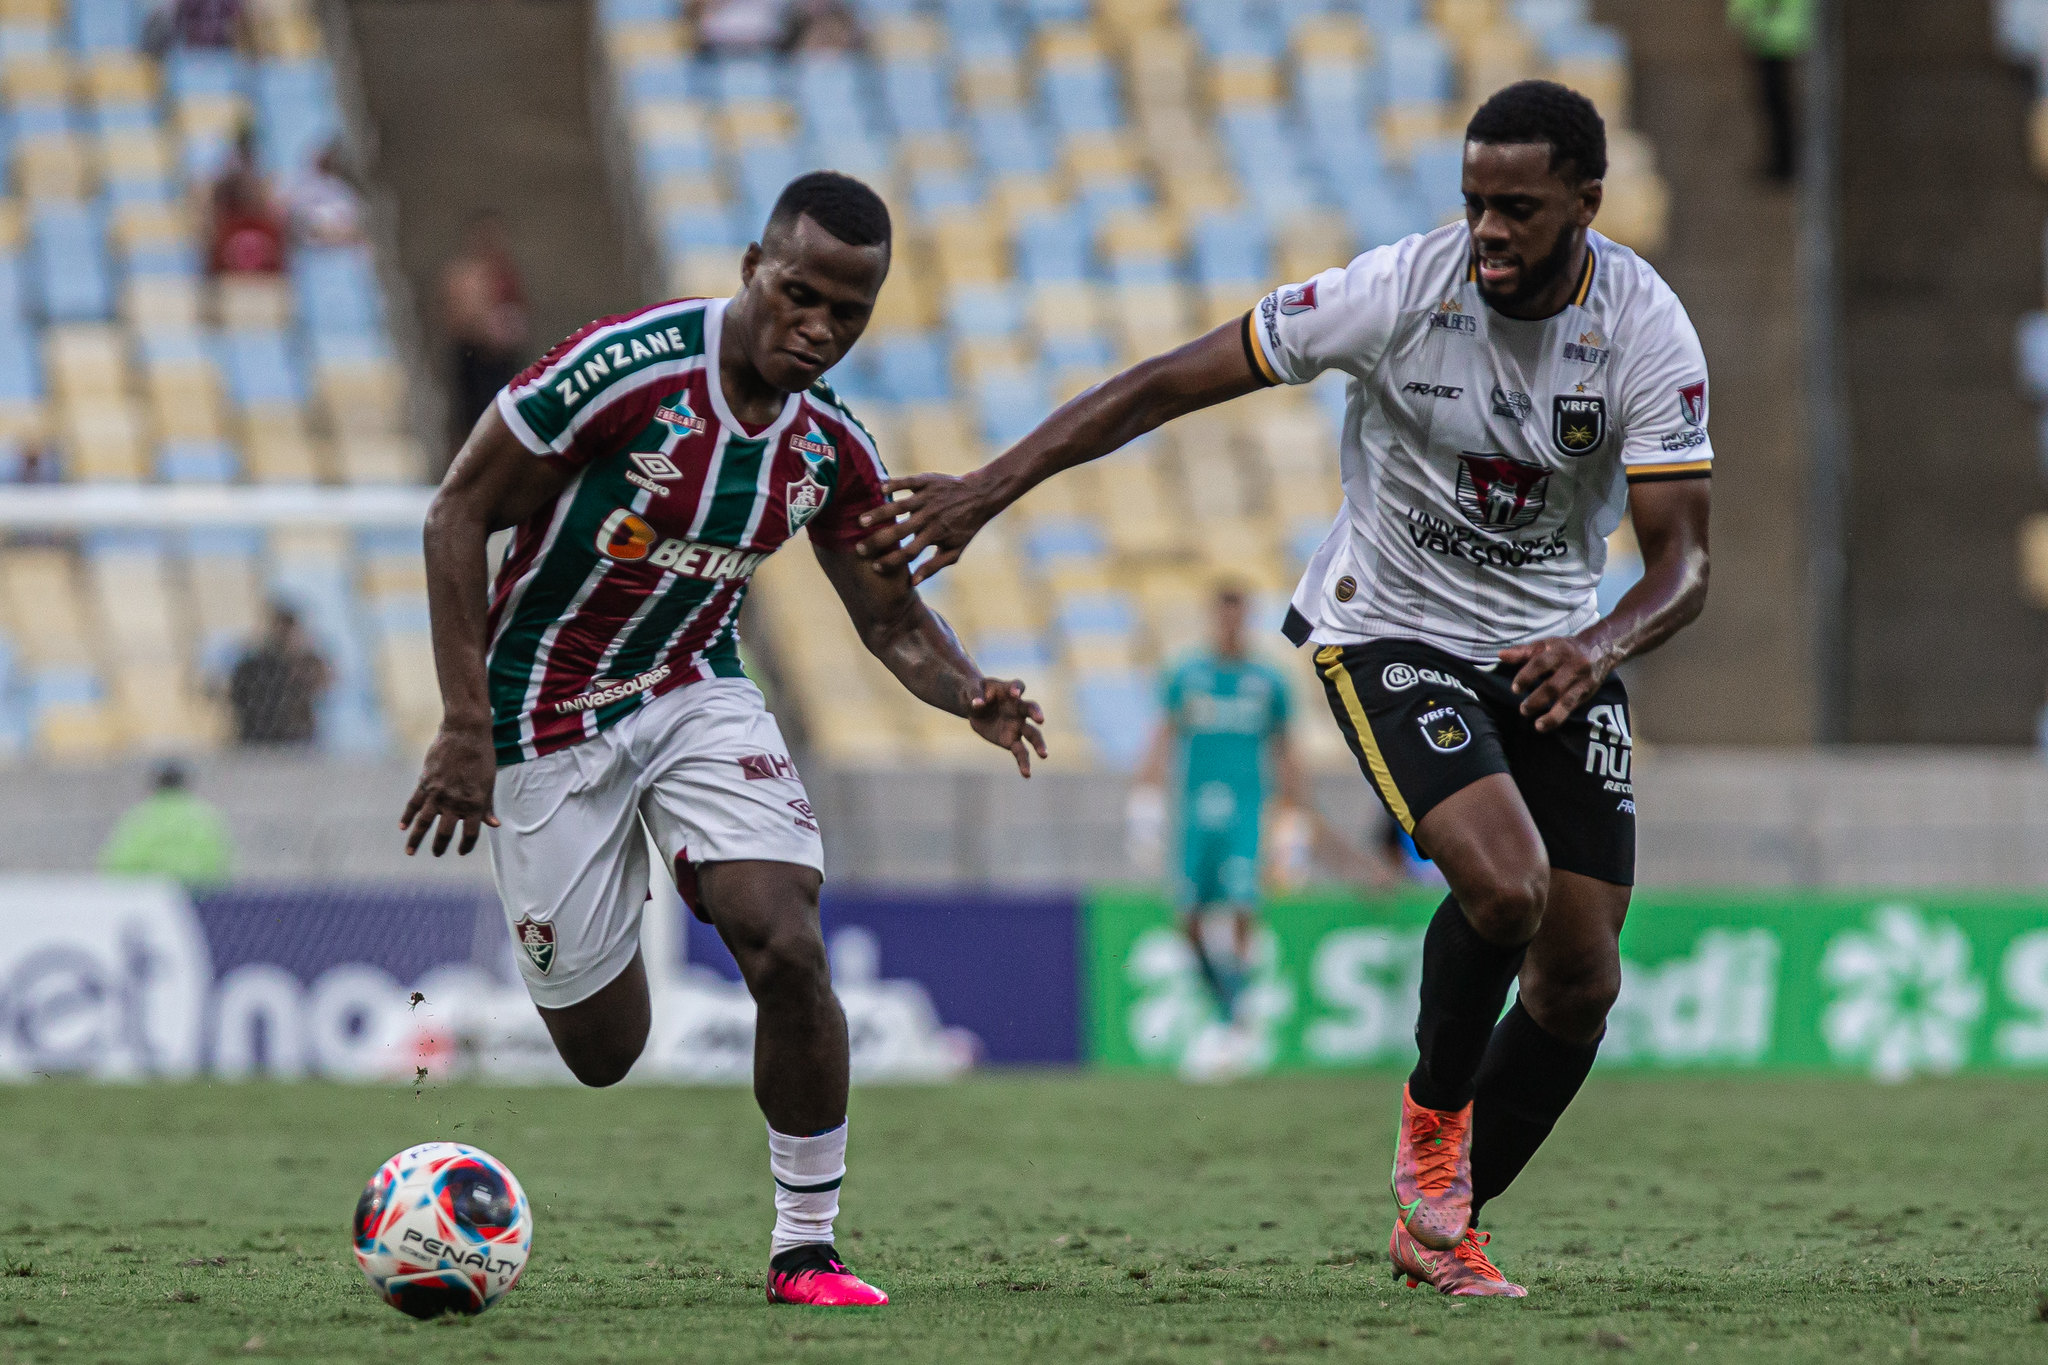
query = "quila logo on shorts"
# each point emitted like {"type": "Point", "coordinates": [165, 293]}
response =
{"type": "Point", "coordinates": [1445, 729]}
{"type": "Point", "coordinates": [1578, 422]}
{"type": "Point", "coordinates": [1400, 677]}
{"type": "Point", "coordinates": [537, 940]}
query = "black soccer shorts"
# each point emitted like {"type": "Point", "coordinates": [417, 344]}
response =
{"type": "Point", "coordinates": [1423, 724]}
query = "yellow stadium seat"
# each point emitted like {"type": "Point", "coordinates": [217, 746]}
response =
{"type": "Point", "coordinates": [23, 420]}
{"type": "Point", "coordinates": [185, 401]}
{"type": "Point", "coordinates": [405, 678]}
{"type": "Point", "coordinates": [969, 248]}
{"type": "Point", "coordinates": [743, 125]}
{"type": "Point", "coordinates": [938, 438]}
{"type": "Point", "coordinates": [11, 229]}
{"type": "Point", "coordinates": [131, 591]}
{"type": "Point", "coordinates": [638, 44]}
{"type": "Point", "coordinates": [1068, 45]}
{"type": "Point", "coordinates": [1223, 303]}
{"type": "Point", "coordinates": [929, 153]}
{"type": "Point", "coordinates": [30, 13]}
{"type": "Point", "coordinates": [1637, 211]}
{"type": "Point", "coordinates": [37, 78]}
{"type": "Point", "coordinates": [53, 166]}
{"type": "Point", "coordinates": [1091, 157]}
{"type": "Point", "coordinates": [136, 153]}
{"type": "Point", "coordinates": [41, 601]}
{"type": "Point", "coordinates": [252, 302]}
{"type": "Point", "coordinates": [1191, 193]}
{"type": "Point", "coordinates": [210, 117]}
{"type": "Point", "coordinates": [690, 190]}
{"type": "Point", "coordinates": [1600, 80]}
{"type": "Point", "coordinates": [906, 38]}
{"type": "Point", "coordinates": [908, 301]}
{"type": "Point", "coordinates": [1133, 20]}
{"type": "Point", "coordinates": [1404, 125]}
{"type": "Point", "coordinates": [1013, 196]}
{"type": "Point", "coordinates": [76, 732]}
{"type": "Point", "coordinates": [1336, 39]}
{"type": "Point", "coordinates": [976, 359]}
{"type": "Point", "coordinates": [226, 596]}
{"type": "Point", "coordinates": [661, 122]}
{"type": "Point", "coordinates": [105, 440]}
{"type": "Point", "coordinates": [366, 397]}
{"type": "Point", "coordinates": [990, 81]}
{"type": "Point", "coordinates": [1244, 80]}
{"type": "Point", "coordinates": [1311, 242]}
{"type": "Point", "coordinates": [86, 360]}
{"type": "Point", "coordinates": [287, 37]}
{"type": "Point", "coordinates": [148, 224]}
{"type": "Point", "coordinates": [1497, 57]}
{"type": "Point", "coordinates": [1139, 234]}
{"type": "Point", "coordinates": [1101, 654]}
{"type": "Point", "coordinates": [120, 78]}
{"type": "Point", "coordinates": [707, 273]}
{"type": "Point", "coordinates": [1150, 318]}
{"type": "Point", "coordinates": [1162, 69]}
{"type": "Point", "coordinates": [1459, 18]}
{"type": "Point", "coordinates": [1140, 509]}
{"type": "Point", "coordinates": [376, 457]}
{"type": "Point", "coordinates": [276, 446]}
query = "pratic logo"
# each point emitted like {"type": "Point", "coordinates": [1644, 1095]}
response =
{"type": "Point", "coordinates": [1432, 390]}
{"type": "Point", "coordinates": [1301, 299]}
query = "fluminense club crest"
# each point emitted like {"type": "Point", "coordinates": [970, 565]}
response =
{"type": "Point", "coordinates": [537, 941]}
{"type": "Point", "coordinates": [803, 497]}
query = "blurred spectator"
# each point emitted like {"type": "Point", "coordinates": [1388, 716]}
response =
{"type": "Point", "coordinates": [483, 309]}
{"type": "Point", "coordinates": [275, 684]}
{"type": "Point", "coordinates": [170, 833]}
{"type": "Point", "coordinates": [825, 26]}
{"type": "Point", "coordinates": [325, 208]}
{"type": "Point", "coordinates": [738, 28]}
{"type": "Point", "coordinates": [195, 23]}
{"type": "Point", "coordinates": [30, 463]}
{"type": "Point", "coordinates": [1776, 32]}
{"type": "Point", "coordinates": [246, 233]}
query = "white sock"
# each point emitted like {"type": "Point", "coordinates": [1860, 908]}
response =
{"type": "Point", "coordinates": [807, 1173]}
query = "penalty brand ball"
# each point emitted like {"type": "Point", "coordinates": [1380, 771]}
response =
{"type": "Point", "coordinates": [443, 1228]}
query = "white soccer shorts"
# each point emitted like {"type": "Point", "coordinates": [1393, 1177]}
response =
{"type": "Point", "coordinates": [706, 768]}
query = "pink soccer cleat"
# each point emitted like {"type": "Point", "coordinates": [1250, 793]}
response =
{"type": "Point", "coordinates": [815, 1275]}
{"type": "Point", "coordinates": [1463, 1272]}
{"type": "Point", "coordinates": [1433, 1173]}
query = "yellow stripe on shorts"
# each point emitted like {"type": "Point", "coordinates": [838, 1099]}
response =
{"type": "Point", "coordinates": [1331, 659]}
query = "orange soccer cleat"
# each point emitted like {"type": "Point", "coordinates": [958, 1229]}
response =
{"type": "Point", "coordinates": [1433, 1173]}
{"type": "Point", "coordinates": [1462, 1272]}
{"type": "Point", "coordinates": [815, 1275]}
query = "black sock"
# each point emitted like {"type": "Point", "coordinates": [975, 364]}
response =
{"type": "Point", "coordinates": [1465, 982]}
{"type": "Point", "coordinates": [1525, 1082]}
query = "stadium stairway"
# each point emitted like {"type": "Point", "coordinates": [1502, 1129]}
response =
{"type": "Point", "coordinates": [485, 104]}
{"type": "Point", "coordinates": [1742, 673]}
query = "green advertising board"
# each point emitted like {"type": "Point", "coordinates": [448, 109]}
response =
{"type": "Point", "coordinates": [1885, 984]}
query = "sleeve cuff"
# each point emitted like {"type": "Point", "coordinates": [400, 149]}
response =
{"type": "Point", "coordinates": [1664, 473]}
{"type": "Point", "coordinates": [1255, 351]}
{"type": "Point", "coordinates": [516, 424]}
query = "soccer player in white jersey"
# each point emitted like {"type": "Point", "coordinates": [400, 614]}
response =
{"type": "Point", "coordinates": [650, 462]}
{"type": "Point", "coordinates": [1516, 382]}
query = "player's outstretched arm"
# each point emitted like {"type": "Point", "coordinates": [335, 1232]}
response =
{"type": "Point", "coordinates": [942, 513]}
{"type": "Point", "coordinates": [927, 658]}
{"type": "Point", "coordinates": [493, 483]}
{"type": "Point", "coordinates": [1557, 675]}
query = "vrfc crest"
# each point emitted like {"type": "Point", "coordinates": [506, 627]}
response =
{"type": "Point", "coordinates": [537, 941]}
{"type": "Point", "coordinates": [1578, 422]}
{"type": "Point", "coordinates": [1445, 729]}
{"type": "Point", "coordinates": [1500, 494]}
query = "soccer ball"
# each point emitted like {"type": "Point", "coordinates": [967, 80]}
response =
{"type": "Point", "coordinates": [443, 1228]}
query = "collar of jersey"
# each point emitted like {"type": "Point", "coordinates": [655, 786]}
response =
{"type": "Point", "coordinates": [1577, 300]}
{"type": "Point", "coordinates": [714, 328]}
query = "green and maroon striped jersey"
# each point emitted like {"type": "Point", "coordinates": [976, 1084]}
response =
{"type": "Point", "coordinates": [629, 583]}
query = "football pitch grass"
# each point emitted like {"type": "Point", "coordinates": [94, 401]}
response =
{"type": "Point", "coordinates": [1043, 1218]}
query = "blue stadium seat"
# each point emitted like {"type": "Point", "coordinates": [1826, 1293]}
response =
{"type": "Point", "coordinates": [196, 462]}
{"type": "Point", "coordinates": [349, 348]}
{"type": "Point", "coordinates": [74, 280]}
{"type": "Point", "coordinates": [192, 71]}
{"type": "Point", "coordinates": [336, 288]}
{"type": "Point", "coordinates": [1076, 351]}
{"type": "Point", "coordinates": [1415, 68]}
{"type": "Point", "coordinates": [260, 368]}
{"type": "Point", "coordinates": [1007, 142]}
{"type": "Point", "coordinates": [911, 367]}
{"type": "Point", "coordinates": [14, 300]}
{"type": "Point", "coordinates": [2033, 355]}
{"type": "Point", "coordinates": [764, 169]}
{"type": "Point", "coordinates": [1101, 198]}
{"type": "Point", "coordinates": [744, 79]}
{"type": "Point", "coordinates": [1097, 613]}
{"type": "Point", "coordinates": [1042, 12]}
{"type": "Point", "coordinates": [1053, 539]}
{"type": "Point", "coordinates": [659, 160]}
{"type": "Point", "coordinates": [1540, 16]}
{"type": "Point", "coordinates": [296, 115]}
{"type": "Point", "coordinates": [1080, 98]}
{"type": "Point", "coordinates": [1436, 170]}
{"type": "Point", "coordinates": [1054, 248]}
{"type": "Point", "coordinates": [1010, 405]}
{"type": "Point", "coordinates": [1231, 249]}
{"type": "Point", "coordinates": [975, 16]}
{"type": "Point", "coordinates": [21, 369]}
{"type": "Point", "coordinates": [1583, 42]}
{"type": "Point", "coordinates": [935, 192]}
{"type": "Point", "coordinates": [612, 13]}
{"type": "Point", "coordinates": [662, 80]}
{"type": "Point", "coordinates": [1136, 270]}
{"type": "Point", "coordinates": [1012, 653]}
{"type": "Point", "coordinates": [137, 117]}
{"type": "Point", "coordinates": [690, 227]}
{"type": "Point", "coordinates": [985, 310]}
{"type": "Point", "coordinates": [1385, 16]}
{"type": "Point", "coordinates": [917, 97]}
{"type": "Point", "coordinates": [1118, 711]}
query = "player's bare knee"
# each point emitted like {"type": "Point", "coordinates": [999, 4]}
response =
{"type": "Point", "coordinates": [787, 965]}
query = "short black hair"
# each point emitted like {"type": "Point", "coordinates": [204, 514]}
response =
{"type": "Point", "coordinates": [841, 205]}
{"type": "Point", "coordinates": [1544, 111]}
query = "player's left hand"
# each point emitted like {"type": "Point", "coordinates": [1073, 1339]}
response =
{"type": "Point", "coordinates": [1555, 677]}
{"type": "Point", "coordinates": [936, 512]}
{"type": "Point", "coordinates": [1000, 715]}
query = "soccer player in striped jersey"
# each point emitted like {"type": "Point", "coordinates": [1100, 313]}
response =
{"type": "Point", "coordinates": [649, 463]}
{"type": "Point", "coordinates": [1514, 383]}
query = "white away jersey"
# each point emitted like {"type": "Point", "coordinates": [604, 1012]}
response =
{"type": "Point", "coordinates": [1485, 458]}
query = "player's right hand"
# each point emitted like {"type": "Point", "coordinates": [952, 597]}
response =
{"type": "Point", "coordinates": [456, 786]}
{"type": "Point", "coordinates": [936, 512]}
